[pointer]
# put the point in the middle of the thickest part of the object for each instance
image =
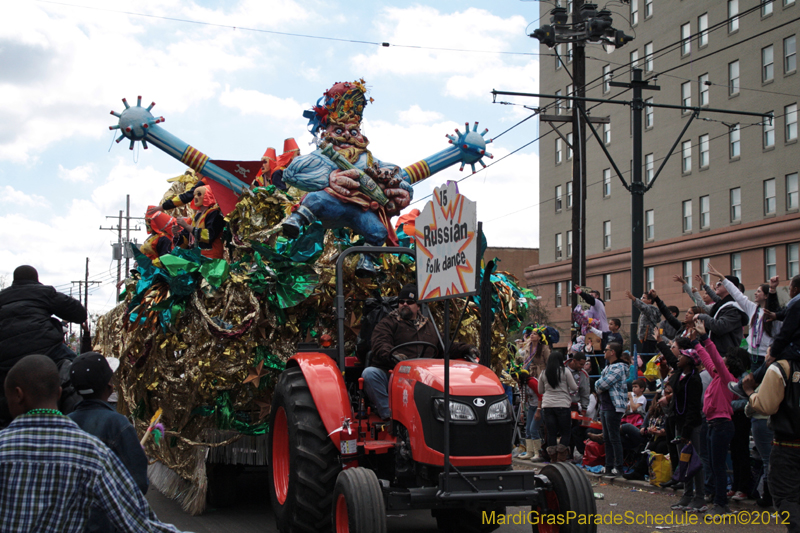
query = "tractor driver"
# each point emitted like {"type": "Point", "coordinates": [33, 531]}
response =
{"type": "Point", "coordinates": [404, 324]}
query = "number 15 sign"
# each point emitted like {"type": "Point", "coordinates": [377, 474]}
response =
{"type": "Point", "coordinates": [446, 238]}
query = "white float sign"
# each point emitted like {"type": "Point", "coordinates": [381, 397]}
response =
{"type": "Point", "coordinates": [446, 238]}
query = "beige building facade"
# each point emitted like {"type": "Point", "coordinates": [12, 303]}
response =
{"type": "Point", "coordinates": [728, 195]}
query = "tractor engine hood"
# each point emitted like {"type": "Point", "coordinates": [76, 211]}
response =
{"type": "Point", "coordinates": [466, 379]}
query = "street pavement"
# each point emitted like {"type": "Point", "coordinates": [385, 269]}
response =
{"type": "Point", "coordinates": [252, 511]}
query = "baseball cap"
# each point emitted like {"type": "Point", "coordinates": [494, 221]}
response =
{"type": "Point", "coordinates": [91, 372]}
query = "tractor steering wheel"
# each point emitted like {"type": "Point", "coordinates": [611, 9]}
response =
{"type": "Point", "coordinates": [426, 345]}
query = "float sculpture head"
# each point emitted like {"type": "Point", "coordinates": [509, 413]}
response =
{"type": "Point", "coordinates": [338, 116]}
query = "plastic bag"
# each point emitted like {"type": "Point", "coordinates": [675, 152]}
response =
{"type": "Point", "coordinates": [689, 464]}
{"type": "Point", "coordinates": [660, 468]}
{"type": "Point", "coordinates": [594, 454]}
{"type": "Point", "coordinates": [651, 370]}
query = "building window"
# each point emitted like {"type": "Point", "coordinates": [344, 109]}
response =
{"type": "Point", "coordinates": [770, 262]}
{"type": "Point", "coordinates": [792, 199]}
{"type": "Point", "coordinates": [607, 235]}
{"type": "Point", "coordinates": [766, 8]}
{"type": "Point", "coordinates": [558, 198]}
{"type": "Point", "coordinates": [634, 12]}
{"type": "Point", "coordinates": [558, 294]}
{"type": "Point", "coordinates": [704, 271]}
{"type": "Point", "coordinates": [569, 6]}
{"type": "Point", "coordinates": [733, 138]}
{"type": "Point", "coordinates": [606, 287]}
{"type": "Point", "coordinates": [648, 8]}
{"type": "Point", "coordinates": [569, 243]}
{"type": "Point", "coordinates": [606, 78]}
{"type": "Point", "coordinates": [634, 61]}
{"type": "Point", "coordinates": [686, 165]}
{"type": "Point", "coordinates": [788, 2]}
{"type": "Point", "coordinates": [687, 270]}
{"type": "Point", "coordinates": [686, 95]}
{"type": "Point", "coordinates": [558, 151]}
{"type": "Point", "coordinates": [702, 29]}
{"type": "Point", "coordinates": [569, 147]}
{"type": "Point", "coordinates": [649, 225]}
{"type": "Point", "coordinates": [686, 39]}
{"type": "Point", "coordinates": [648, 57]}
{"type": "Point", "coordinates": [569, 100]}
{"type": "Point", "coordinates": [736, 204]}
{"type": "Point", "coordinates": [790, 112]}
{"type": "Point", "coordinates": [606, 182]}
{"type": "Point", "coordinates": [569, 195]}
{"type": "Point", "coordinates": [649, 168]}
{"type": "Point", "coordinates": [736, 264]}
{"type": "Point", "coordinates": [792, 260]}
{"type": "Point", "coordinates": [767, 64]}
{"type": "Point", "coordinates": [733, 12]}
{"type": "Point", "coordinates": [649, 278]}
{"type": "Point", "coordinates": [789, 54]}
{"type": "Point", "coordinates": [558, 56]}
{"type": "Point", "coordinates": [769, 197]}
{"type": "Point", "coordinates": [733, 77]}
{"type": "Point", "coordinates": [704, 151]}
{"type": "Point", "coordinates": [769, 132]}
{"type": "Point", "coordinates": [569, 52]}
{"type": "Point", "coordinates": [607, 133]}
{"type": "Point", "coordinates": [648, 113]}
{"type": "Point", "coordinates": [702, 81]}
{"type": "Point", "coordinates": [558, 102]}
{"type": "Point", "coordinates": [687, 216]}
{"type": "Point", "coordinates": [705, 212]}
{"type": "Point", "coordinates": [558, 247]}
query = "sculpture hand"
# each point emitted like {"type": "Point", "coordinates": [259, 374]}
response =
{"type": "Point", "coordinates": [343, 182]}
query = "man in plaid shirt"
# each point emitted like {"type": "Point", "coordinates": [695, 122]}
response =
{"type": "Point", "coordinates": [51, 471]}
{"type": "Point", "coordinates": [612, 393]}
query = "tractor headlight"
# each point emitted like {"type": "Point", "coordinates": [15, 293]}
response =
{"type": "Point", "coordinates": [498, 411]}
{"type": "Point", "coordinates": [459, 412]}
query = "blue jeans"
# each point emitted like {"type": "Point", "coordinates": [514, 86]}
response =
{"type": "Point", "coordinates": [720, 434]}
{"type": "Point", "coordinates": [708, 475]}
{"type": "Point", "coordinates": [557, 420]}
{"type": "Point", "coordinates": [762, 437]}
{"type": "Point", "coordinates": [337, 214]}
{"type": "Point", "coordinates": [531, 424]}
{"type": "Point", "coordinates": [611, 437]}
{"type": "Point", "coordinates": [376, 385]}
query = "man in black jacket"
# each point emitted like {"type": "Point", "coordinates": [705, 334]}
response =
{"type": "Point", "coordinates": [26, 327]}
{"type": "Point", "coordinates": [726, 319]}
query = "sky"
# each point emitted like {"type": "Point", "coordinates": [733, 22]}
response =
{"type": "Point", "coordinates": [231, 79]}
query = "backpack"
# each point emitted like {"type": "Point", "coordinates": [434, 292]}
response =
{"type": "Point", "coordinates": [375, 310]}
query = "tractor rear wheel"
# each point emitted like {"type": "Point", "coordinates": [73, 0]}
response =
{"type": "Point", "coordinates": [571, 492]}
{"type": "Point", "coordinates": [358, 502]}
{"type": "Point", "coordinates": [304, 462]}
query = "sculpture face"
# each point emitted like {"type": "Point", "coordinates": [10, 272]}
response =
{"type": "Point", "coordinates": [346, 139]}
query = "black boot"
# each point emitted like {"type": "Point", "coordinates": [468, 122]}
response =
{"type": "Point", "coordinates": [766, 499]}
{"type": "Point", "coordinates": [299, 219]}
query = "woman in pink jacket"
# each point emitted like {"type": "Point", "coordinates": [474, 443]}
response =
{"type": "Point", "coordinates": [718, 411]}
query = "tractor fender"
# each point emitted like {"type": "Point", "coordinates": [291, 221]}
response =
{"type": "Point", "coordinates": [328, 390]}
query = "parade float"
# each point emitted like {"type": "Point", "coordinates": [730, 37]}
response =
{"type": "Point", "coordinates": [204, 340]}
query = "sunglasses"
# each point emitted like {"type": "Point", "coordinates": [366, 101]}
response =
{"type": "Point", "coordinates": [406, 302]}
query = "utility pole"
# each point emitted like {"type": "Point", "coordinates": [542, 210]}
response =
{"type": "Point", "coordinates": [127, 233]}
{"type": "Point", "coordinates": [85, 284]}
{"type": "Point", "coordinates": [123, 244]}
{"type": "Point", "coordinates": [578, 159]}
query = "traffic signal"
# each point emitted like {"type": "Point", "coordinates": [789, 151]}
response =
{"type": "Point", "coordinates": [545, 35]}
{"type": "Point", "coordinates": [620, 39]}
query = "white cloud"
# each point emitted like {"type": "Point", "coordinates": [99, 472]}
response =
{"type": "Point", "coordinates": [82, 173]}
{"type": "Point", "coordinates": [11, 196]}
{"type": "Point", "coordinates": [415, 115]}
{"type": "Point", "coordinates": [257, 103]}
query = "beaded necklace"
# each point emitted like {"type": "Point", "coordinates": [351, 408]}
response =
{"type": "Point", "coordinates": [42, 411]}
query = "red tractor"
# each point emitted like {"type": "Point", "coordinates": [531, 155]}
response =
{"type": "Point", "coordinates": [335, 466]}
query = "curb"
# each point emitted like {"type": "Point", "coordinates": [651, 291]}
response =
{"type": "Point", "coordinates": [522, 464]}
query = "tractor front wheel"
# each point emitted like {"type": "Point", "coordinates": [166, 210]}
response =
{"type": "Point", "coordinates": [304, 462]}
{"type": "Point", "coordinates": [571, 492]}
{"type": "Point", "coordinates": [358, 502]}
